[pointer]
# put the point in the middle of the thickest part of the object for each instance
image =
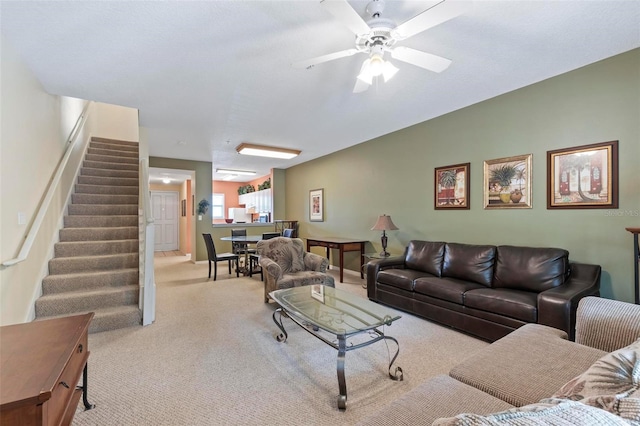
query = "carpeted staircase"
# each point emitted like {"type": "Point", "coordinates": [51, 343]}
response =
{"type": "Point", "coordinates": [95, 264]}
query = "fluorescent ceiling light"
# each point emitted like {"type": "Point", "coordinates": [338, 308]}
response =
{"type": "Point", "coordinates": [229, 177]}
{"type": "Point", "coordinates": [267, 151]}
{"type": "Point", "coordinates": [236, 172]}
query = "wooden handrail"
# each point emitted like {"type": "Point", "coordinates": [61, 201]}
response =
{"type": "Point", "coordinates": [55, 181]}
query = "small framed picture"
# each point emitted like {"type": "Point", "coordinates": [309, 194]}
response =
{"type": "Point", "coordinates": [183, 208]}
{"type": "Point", "coordinates": [452, 187]}
{"type": "Point", "coordinates": [317, 292]}
{"type": "Point", "coordinates": [316, 205]}
{"type": "Point", "coordinates": [583, 177]}
{"type": "Point", "coordinates": [507, 183]}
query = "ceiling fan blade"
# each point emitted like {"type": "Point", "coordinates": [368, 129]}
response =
{"type": "Point", "coordinates": [435, 15]}
{"type": "Point", "coordinates": [420, 59]}
{"type": "Point", "coordinates": [345, 13]}
{"type": "Point", "coordinates": [308, 63]}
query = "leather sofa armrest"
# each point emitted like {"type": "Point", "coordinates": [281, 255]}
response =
{"type": "Point", "coordinates": [376, 265]}
{"type": "Point", "coordinates": [557, 306]}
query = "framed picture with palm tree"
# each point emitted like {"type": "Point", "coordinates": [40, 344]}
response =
{"type": "Point", "coordinates": [507, 183]}
{"type": "Point", "coordinates": [452, 187]}
{"type": "Point", "coordinates": [583, 177]}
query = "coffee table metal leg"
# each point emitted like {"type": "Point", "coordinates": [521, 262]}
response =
{"type": "Point", "coordinates": [282, 337]}
{"type": "Point", "coordinates": [342, 383]}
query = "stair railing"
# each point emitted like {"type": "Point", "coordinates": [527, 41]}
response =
{"type": "Point", "coordinates": [51, 189]}
{"type": "Point", "coordinates": [147, 299]}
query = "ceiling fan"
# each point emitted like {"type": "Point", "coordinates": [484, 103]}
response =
{"type": "Point", "coordinates": [379, 35]}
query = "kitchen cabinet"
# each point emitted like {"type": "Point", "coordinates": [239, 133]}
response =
{"type": "Point", "coordinates": [258, 200]}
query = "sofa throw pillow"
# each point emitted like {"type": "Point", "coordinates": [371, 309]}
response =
{"type": "Point", "coordinates": [612, 383]}
{"type": "Point", "coordinates": [544, 413]}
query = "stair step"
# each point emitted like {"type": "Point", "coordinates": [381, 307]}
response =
{"type": "Point", "coordinates": [86, 300]}
{"type": "Point", "coordinates": [106, 262]}
{"type": "Point", "coordinates": [102, 209]}
{"type": "Point", "coordinates": [110, 159]}
{"type": "Point", "coordinates": [116, 147]}
{"type": "Point", "coordinates": [111, 151]}
{"type": "Point", "coordinates": [114, 141]}
{"type": "Point", "coordinates": [91, 248]}
{"type": "Point", "coordinates": [89, 280]}
{"type": "Point", "coordinates": [95, 221]}
{"type": "Point", "coordinates": [111, 173]}
{"type": "Point", "coordinates": [107, 180]}
{"type": "Point", "coordinates": [104, 199]}
{"type": "Point", "coordinates": [97, 234]}
{"type": "Point", "coordinates": [106, 319]}
{"type": "Point", "coordinates": [112, 167]}
{"type": "Point", "coordinates": [115, 318]}
{"type": "Point", "coordinates": [82, 188]}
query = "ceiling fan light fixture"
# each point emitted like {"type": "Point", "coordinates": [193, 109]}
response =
{"type": "Point", "coordinates": [376, 65]}
{"type": "Point", "coordinates": [388, 71]}
{"type": "Point", "coordinates": [267, 151]}
{"type": "Point", "coordinates": [365, 72]}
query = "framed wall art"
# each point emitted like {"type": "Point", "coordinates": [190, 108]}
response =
{"type": "Point", "coordinates": [507, 183]}
{"type": "Point", "coordinates": [583, 177]}
{"type": "Point", "coordinates": [316, 205]}
{"type": "Point", "coordinates": [452, 187]}
{"type": "Point", "coordinates": [183, 208]}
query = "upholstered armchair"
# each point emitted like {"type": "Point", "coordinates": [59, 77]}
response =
{"type": "Point", "coordinates": [286, 264]}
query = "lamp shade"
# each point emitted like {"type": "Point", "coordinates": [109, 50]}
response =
{"type": "Point", "coordinates": [384, 223]}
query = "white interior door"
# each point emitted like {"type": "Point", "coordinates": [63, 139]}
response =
{"type": "Point", "coordinates": [165, 214]}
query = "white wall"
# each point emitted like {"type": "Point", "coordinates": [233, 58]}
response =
{"type": "Point", "coordinates": [117, 122]}
{"type": "Point", "coordinates": [34, 127]}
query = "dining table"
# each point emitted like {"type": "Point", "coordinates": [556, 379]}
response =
{"type": "Point", "coordinates": [247, 239]}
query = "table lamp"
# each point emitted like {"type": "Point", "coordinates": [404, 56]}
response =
{"type": "Point", "coordinates": [384, 224]}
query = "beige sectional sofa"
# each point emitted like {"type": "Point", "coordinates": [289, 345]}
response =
{"type": "Point", "coordinates": [521, 371]}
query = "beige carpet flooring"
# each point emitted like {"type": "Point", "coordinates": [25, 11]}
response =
{"type": "Point", "coordinates": [211, 359]}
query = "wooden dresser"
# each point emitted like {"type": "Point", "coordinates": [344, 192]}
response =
{"type": "Point", "coordinates": [41, 363]}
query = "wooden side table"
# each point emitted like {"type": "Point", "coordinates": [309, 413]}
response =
{"type": "Point", "coordinates": [636, 260]}
{"type": "Point", "coordinates": [40, 366]}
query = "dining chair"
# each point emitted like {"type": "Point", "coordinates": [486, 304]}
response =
{"type": "Point", "coordinates": [289, 233]}
{"type": "Point", "coordinates": [222, 257]}
{"type": "Point", "coordinates": [240, 247]}
{"type": "Point", "coordinates": [255, 257]}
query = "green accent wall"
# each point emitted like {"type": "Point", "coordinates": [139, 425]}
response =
{"type": "Point", "coordinates": [394, 174]}
{"type": "Point", "coordinates": [203, 171]}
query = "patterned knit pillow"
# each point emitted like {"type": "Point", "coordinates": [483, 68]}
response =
{"type": "Point", "coordinates": [544, 413]}
{"type": "Point", "coordinates": [612, 383]}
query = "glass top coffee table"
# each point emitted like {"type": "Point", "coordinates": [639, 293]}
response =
{"type": "Point", "coordinates": [339, 313]}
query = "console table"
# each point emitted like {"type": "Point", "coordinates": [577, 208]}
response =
{"type": "Point", "coordinates": [342, 244]}
{"type": "Point", "coordinates": [636, 260]}
{"type": "Point", "coordinates": [40, 366]}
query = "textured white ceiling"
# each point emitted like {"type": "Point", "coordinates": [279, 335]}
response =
{"type": "Point", "coordinates": [208, 75]}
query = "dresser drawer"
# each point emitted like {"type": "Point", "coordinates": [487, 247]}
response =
{"type": "Point", "coordinates": [63, 392]}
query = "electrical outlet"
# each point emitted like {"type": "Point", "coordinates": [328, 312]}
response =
{"type": "Point", "coordinates": [22, 218]}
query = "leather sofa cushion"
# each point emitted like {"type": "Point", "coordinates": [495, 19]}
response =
{"type": "Point", "coordinates": [530, 268]}
{"type": "Point", "coordinates": [469, 262]}
{"type": "Point", "coordinates": [450, 289]}
{"type": "Point", "coordinates": [425, 256]}
{"type": "Point", "coordinates": [517, 304]}
{"type": "Point", "coordinates": [400, 278]}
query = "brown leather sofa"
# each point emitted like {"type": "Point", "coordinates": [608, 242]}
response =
{"type": "Point", "coordinates": [484, 290]}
